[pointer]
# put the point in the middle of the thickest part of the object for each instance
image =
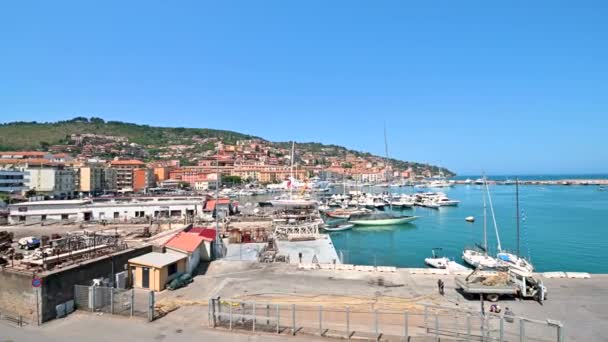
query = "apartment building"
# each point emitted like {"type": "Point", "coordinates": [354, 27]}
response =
{"type": "Point", "coordinates": [124, 172]}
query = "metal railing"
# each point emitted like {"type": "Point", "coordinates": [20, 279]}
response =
{"type": "Point", "coordinates": [115, 301]}
{"type": "Point", "coordinates": [12, 318]}
{"type": "Point", "coordinates": [422, 320]}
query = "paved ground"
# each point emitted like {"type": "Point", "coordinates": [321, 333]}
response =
{"type": "Point", "coordinates": [581, 304]}
{"type": "Point", "coordinates": [93, 328]}
{"type": "Point", "coordinates": [243, 251]}
{"type": "Point", "coordinates": [323, 249]}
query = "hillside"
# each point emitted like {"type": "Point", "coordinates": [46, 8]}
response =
{"type": "Point", "coordinates": [17, 136]}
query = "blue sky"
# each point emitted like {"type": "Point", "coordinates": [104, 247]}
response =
{"type": "Point", "coordinates": [510, 87]}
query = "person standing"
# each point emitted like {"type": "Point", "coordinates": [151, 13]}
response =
{"type": "Point", "coordinates": [440, 286]}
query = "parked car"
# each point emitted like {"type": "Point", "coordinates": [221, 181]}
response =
{"type": "Point", "coordinates": [179, 281]}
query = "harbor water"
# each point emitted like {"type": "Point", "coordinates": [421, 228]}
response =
{"type": "Point", "coordinates": [563, 228]}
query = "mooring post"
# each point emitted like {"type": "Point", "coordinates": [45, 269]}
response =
{"type": "Point", "coordinates": [348, 322]}
{"type": "Point", "coordinates": [405, 333]}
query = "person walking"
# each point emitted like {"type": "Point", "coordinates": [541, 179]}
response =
{"type": "Point", "coordinates": [440, 286]}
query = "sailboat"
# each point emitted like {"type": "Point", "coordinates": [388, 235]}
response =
{"type": "Point", "coordinates": [515, 260]}
{"type": "Point", "coordinates": [292, 201]}
{"type": "Point", "coordinates": [382, 218]}
{"type": "Point", "coordinates": [478, 257]}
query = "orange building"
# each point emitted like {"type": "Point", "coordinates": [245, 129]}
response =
{"type": "Point", "coordinates": [124, 172]}
{"type": "Point", "coordinates": [143, 179]}
{"type": "Point", "coordinates": [161, 173]}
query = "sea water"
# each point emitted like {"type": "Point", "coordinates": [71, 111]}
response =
{"type": "Point", "coordinates": [563, 228]}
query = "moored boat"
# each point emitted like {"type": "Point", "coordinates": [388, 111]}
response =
{"type": "Point", "coordinates": [380, 219]}
{"type": "Point", "coordinates": [338, 227]}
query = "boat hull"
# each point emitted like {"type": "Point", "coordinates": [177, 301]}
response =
{"type": "Point", "coordinates": [384, 222]}
{"type": "Point", "coordinates": [339, 228]}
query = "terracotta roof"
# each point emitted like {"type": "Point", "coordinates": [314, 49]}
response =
{"type": "Point", "coordinates": [187, 242]}
{"type": "Point", "coordinates": [126, 162]}
{"type": "Point", "coordinates": [25, 153]}
{"type": "Point", "coordinates": [205, 232]}
{"type": "Point", "coordinates": [210, 205]}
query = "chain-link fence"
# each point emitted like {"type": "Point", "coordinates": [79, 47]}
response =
{"type": "Point", "coordinates": [114, 301]}
{"type": "Point", "coordinates": [424, 320]}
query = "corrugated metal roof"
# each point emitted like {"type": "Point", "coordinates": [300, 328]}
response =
{"type": "Point", "coordinates": [157, 260]}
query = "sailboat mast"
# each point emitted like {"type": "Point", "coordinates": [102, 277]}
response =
{"type": "Point", "coordinates": [485, 224]}
{"type": "Point", "coordinates": [390, 194]}
{"type": "Point", "coordinates": [293, 146]}
{"type": "Point", "coordinates": [517, 209]}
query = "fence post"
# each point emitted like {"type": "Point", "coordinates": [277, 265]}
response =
{"type": "Point", "coordinates": [230, 315]}
{"type": "Point", "coordinates": [560, 333]}
{"type": "Point", "coordinates": [502, 329]}
{"type": "Point", "coordinates": [405, 337]}
{"type": "Point", "coordinates": [320, 320]}
{"type": "Point", "coordinates": [267, 314]}
{"type": "Point", "coordinates": [20, 321]}
{"type": "Point", "coordinates": [293, 319]}
{"type": "Point", "coordinates": [150, 306]}
{"type": "Point", "coordinates": [436, 327]}
{"type": "Point", "coordinates": [132, 302]}
{"type": "Point", "coordinates": [93, 301]}
{"type": "Point", "coordinates": [254, 318]}
{"type": "Point", "coordinates": [426, 318]}
{"type": "Point", "coordinates": [348, 322]}
{"type": "Point", "coordinates": [376, 321]}
{"type": "Point", "coordinates": [111, 300]}
{"type": "Point", "coordinates": [468, 327]}
{"type": "Point", "coordinates": [522, 330]}
{"type": "Point", "coordinates": [278, 319]}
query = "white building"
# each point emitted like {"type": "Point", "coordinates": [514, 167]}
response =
{"type": "Point", "coordinates": [57, 183]}
{"type": "Point", "coordinates": [104, 209]}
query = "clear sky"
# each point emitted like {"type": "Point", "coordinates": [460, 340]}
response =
{"type": "Point", "coordinates": [507, 87]}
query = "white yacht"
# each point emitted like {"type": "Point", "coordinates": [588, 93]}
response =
{"type": "Point", "coordinates": [446, 202]}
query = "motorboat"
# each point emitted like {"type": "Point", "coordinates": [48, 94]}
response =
{"type": "Point", "coordinates": [479, 181]}
{"type": "Point", "coordinates": [470, 218]}
{"type": "Point", "coordinates": [468, 181]}
{"type": "Point", "coordinates": [436, 260]}
{"type": "Point", "coordinates": [446, 202]}
{"type": "Point", "coordinates": [380, 219]}
{"type": "Point", "coordinates": [338, 227]}
{"type": "Point", "coordinates": [428, 204]}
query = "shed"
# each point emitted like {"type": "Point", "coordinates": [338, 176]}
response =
{"type": "Point", "coordinates": [154, 270]}
{"type": "Point", "coordinates": [208, 234]}
{"type": "Point", "coordinates": [188, 244]}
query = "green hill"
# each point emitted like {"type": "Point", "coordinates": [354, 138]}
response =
{"type": "Point", "coordinates": [34, 135]}
{"type": "Point", "coordinates": [19, 136]}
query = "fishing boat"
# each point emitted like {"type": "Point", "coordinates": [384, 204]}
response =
{"type": "Point", "coordinates": [338, 227]}
{"type": "Point", "coordinates": [380, 219]}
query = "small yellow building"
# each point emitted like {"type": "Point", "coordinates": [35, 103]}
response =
{"type": "Point", "coordinates": [154, 270]}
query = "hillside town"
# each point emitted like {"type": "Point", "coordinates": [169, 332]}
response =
{"type": "Point", "coordinates": [81, 167]}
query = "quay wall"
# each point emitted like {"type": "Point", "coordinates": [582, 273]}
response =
{"type": "Point", "coordinates": [58, 286]}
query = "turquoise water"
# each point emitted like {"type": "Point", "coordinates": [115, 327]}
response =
{"type": "Point", "coordinates": [565, 229]}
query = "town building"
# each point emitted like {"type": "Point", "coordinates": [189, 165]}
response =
{"type": "Point", "coordinates": [124, 172]}
{"type": "Point", "coordinates": [89, 180]}
{"type": "Point", "coordinates": [13, 181]}
{"type": "Point", "coordinates": [109, 180]}
{"type": "Point", "coordinates": [154, 270]}
{"type": "Point", "coordinates": [53, 182]}
{"type": "Point", "coordinates": [143, 179]}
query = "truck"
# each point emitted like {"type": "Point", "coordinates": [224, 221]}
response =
{"type": "Point", "coordinates": [492, 284]}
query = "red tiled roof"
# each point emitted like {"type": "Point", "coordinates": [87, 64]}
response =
{"type": "Point", "coordinates": [210, 205]}
{"type": "Point", "coordinates": [126, 162]}
{"type": "Point", "coordinates": [187, 242]}
{"type": "Point", "coordinates": [25, 153]}
{"type": "Point", "coordinates": [205, 232]}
